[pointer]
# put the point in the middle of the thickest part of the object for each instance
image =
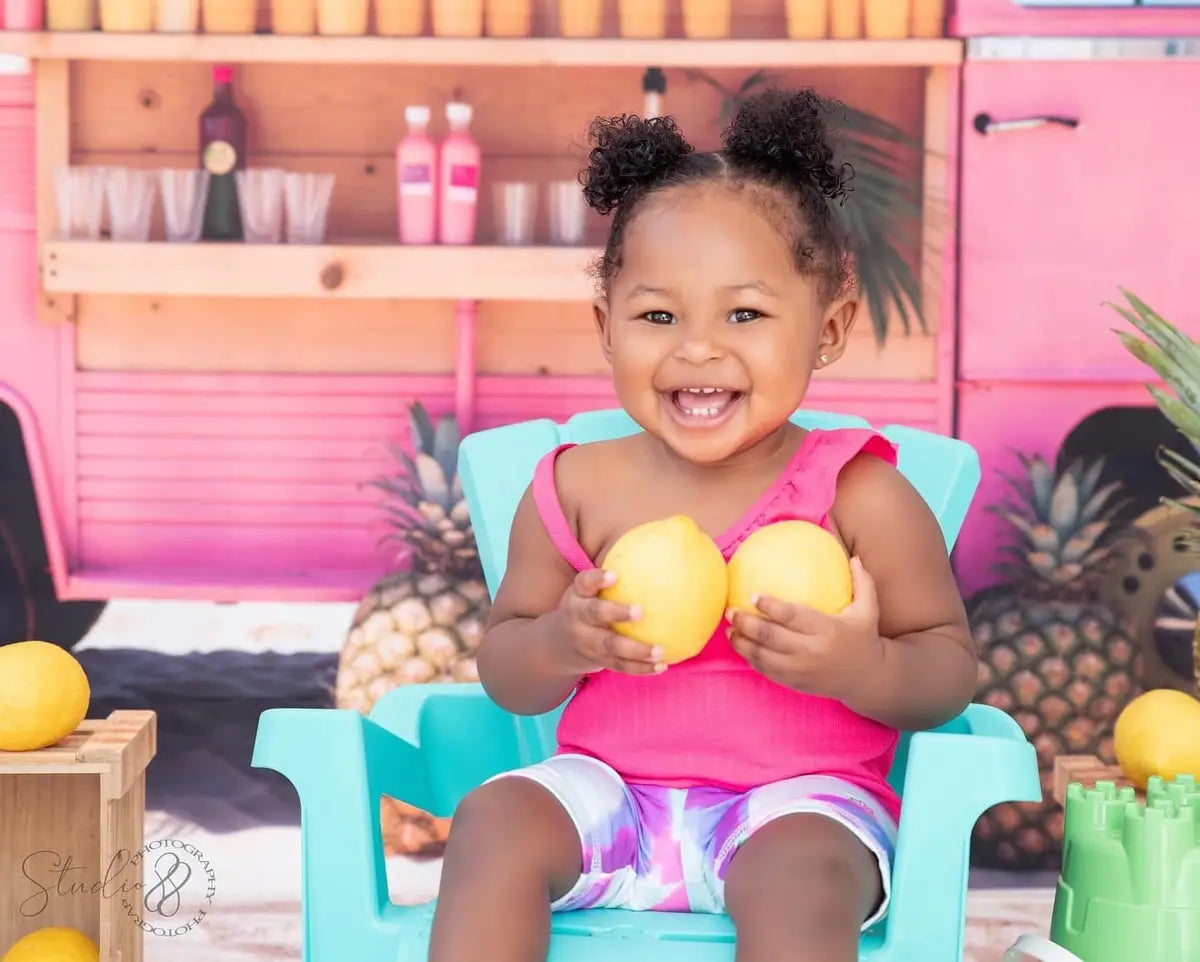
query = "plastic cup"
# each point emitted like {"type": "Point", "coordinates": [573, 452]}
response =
{"type": "Point", "coordinates": [568, 213]}
{"type": "Point", "coordinates": [70, 15]}
{"type": "Point", "coordinates": [79, 201]}
{"type": "Point", "coordinates": [516, 210]}
{"type": "Point", "coordinates": [260, 201]}
{"type": "Point", "coordinates": [306, 197]}
{"type": "Point", "coordinates": [184, 192]}
{"type": "Point", "coordinates": [130, 194]}
{"type": "Point", "coordinates": [177, 16]}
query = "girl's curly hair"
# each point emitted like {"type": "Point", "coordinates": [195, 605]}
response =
{"type": "Point", "coordinates": [778, 146]}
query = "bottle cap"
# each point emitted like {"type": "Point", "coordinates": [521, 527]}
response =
{"type": "Point", "coordinates": [417, 115]}
{"type": "Point", "coordinates": [458, 112]}
{"type": "Point", "coordinates": [222, 73]}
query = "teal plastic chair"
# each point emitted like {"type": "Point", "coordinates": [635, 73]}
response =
{"type": "Point", "coordinates": [429, 745]}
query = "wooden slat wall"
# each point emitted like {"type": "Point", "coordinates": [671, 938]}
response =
{"type": "Point", "coordinates": [234, 436]}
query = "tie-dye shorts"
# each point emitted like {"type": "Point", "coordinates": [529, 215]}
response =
{"type": "Point", "coordinates": [648, 847]}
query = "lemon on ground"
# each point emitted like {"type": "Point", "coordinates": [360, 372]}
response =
{"type": "Point", "coordinates": [44, 695]}
{"type": "Point", "coordinates": [676, 574]}
{"type": "Point", "coordinates": [1158, 733]}
{"type": "Point", "coordinates": [53, 944]}
{"type": "Point", "coordinates": [794, 561]}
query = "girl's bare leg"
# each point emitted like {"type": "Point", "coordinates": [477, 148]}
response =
{"type": "Point", "coordinates": [800, 889]}
{"type": "Point", "coordinates": [512, 850]}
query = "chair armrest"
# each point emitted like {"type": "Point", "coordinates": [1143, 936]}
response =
{"type": "Point", "coordinates": [340, 762]}
{"type": "Point", "coordinates": [308, 746]}
{"type": "Point", "coordinates": [951, 779]}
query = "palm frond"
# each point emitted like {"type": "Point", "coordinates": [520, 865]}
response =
{"type": "Point", "coordinates": [884, 208]}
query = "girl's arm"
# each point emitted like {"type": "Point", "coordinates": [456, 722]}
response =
{"type": "Point", "coordinates": [519, 664]}
{"type": "Point", "coordinates": [927, 674]}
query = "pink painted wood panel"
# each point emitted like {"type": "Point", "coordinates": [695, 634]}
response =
{"type": "Point", "coordinates": [1054, 220]}
{"type": "Point", "coordinates": [238, 486]}
{"type": "Point", "coordinates": [977, 18]}
{"type": "Point", "coordinates": [1000, 419]}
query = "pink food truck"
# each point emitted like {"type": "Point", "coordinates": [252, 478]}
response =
{"type": "Point", "coordinates": [198, 420]}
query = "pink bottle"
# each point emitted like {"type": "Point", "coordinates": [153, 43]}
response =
{"type": "Point", "coordinates": [458, 180]}
{"type": "Point", "coordinates": [416, 171]}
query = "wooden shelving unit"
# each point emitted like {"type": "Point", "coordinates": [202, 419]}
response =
{"type": "Point", "coordinates": [532, 52]}
{"type": "Point", "coordinates": [354, 270]}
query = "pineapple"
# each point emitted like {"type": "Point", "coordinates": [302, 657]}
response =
{"type": "Point", "coordinates": [423, 624]}
{"type": "Point", "coordinates": [1052, 654]}
{"type": "Point", "coordinates": [1175, 358]}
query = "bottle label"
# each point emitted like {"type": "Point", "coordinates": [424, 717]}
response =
{"type": "Point", "coordinates": [416, 180]}
{"type": "Point", "coordinates": [219, 157]}
{"type": "Point", "coordinates": [463, 183]}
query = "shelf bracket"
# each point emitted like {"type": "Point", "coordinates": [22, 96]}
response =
{"type": "Point", "coordinates": [52, 123]}
{"type": "Point", "coordinates": [466, 319]}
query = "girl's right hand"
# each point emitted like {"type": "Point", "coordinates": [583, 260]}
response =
{"type": "Point", "coordinates": [584, 635]}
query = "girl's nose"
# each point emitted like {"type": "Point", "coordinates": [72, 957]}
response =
{"type": "Point", "coordinates": [697, 347]}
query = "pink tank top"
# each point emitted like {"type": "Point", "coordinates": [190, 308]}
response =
{"type": "Point", "coordinates": [714, 720]}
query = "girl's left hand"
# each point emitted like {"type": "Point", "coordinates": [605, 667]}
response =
{"type": "Point", "coordinates": [805, 649]}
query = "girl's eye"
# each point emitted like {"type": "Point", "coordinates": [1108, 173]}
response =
{"type": "Point", "coordinates": [744, 315]}
{"type": "Point", "coordinates": [659, 317]}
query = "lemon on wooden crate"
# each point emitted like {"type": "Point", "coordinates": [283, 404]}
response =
{"type": "Point", "coordinates": [53, 944]}
{"type": "Point", "coordinates": [1158, 733]}
{"type": "Point", "coordinates": [794, 561]}
{"type": "Point", "coordinates": [44, 695]}
{"type": "Point", "coordinates": [676, 574]}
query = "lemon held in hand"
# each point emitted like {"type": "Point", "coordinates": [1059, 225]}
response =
{"type": "Point", "coordinates": [44, 695]}
{"type": "Point", "coordinates": [53, 944]}
{"type": "Point", "coordinates": [794, 561]}
{"type": "Point", "coordinates": [676, 574]}
{"type": "Point", "coordinates": [1158, 733]}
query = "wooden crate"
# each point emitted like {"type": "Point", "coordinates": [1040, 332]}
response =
{"type": "Point", "coordinates": [1087, 770]}
{"type": "Point", "coordinates": [83, 799]}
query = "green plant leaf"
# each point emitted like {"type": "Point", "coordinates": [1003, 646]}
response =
{"type": "Point", "coordinates": [422, 427]}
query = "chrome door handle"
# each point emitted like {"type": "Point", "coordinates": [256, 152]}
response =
{"type": "Point", "coordinates": [987, 124]}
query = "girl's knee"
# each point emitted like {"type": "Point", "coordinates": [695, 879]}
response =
{"type": "Point", "coordinates": [808, 866]}
{"type": "Point", "coordinates": [515, 818]}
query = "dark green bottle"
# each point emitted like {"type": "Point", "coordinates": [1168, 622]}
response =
{"type": "Point", "coordinates": [222, 151]}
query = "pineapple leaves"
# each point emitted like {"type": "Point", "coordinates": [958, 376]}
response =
{"type": "Point", "coordinates": [445, 446]}
{"type": "Point", "coordinates": [421, 427]}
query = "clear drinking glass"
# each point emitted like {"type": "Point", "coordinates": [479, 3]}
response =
{"type": "Point", "coordinates": [79, 201]}
{"type": "Point", "coordinates": [306, 197]}
{"type": "Point", "coordinates": [260, 201]}
{"type": "Point", "coordinates": [568, 213]}
{"type": "Point", "coordinates": [515, 211]}
{"type": "Point", "coordinates": [184, 191]}
{"type": "Point", "coordinates": [130, 193]}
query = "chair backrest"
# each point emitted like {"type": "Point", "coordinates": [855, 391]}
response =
{"type": "Point", "coordinates": [497, 465]}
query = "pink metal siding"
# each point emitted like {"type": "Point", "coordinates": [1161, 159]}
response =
{"type": "Point", "coordinates": [977, 18]}
{"type": "Point", "coordinates": [1053, 220]}
{"type": "Point", "coordinates": [242, 486]}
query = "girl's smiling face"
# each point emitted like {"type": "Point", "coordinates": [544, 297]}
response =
{"type": "Point", "coordinates": [711, 330]}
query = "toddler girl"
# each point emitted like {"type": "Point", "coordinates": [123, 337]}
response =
{"type": "Point", "coordinates": [751, 779]}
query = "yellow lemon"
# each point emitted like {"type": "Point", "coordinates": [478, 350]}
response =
{"type": "Point", "coordinates": [793, 561]}
{"type": "Point", "coordinates": [1158, 733]}
{"type": "Point", "coordinates": [676, 574]}
{"type": "Point", "coordinates": [44, 695]}
{"type": "Point", "coordinates": [53, 944]}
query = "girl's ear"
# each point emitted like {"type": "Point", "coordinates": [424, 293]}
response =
{"type": "Point", "coordinates": [835, 332]}
{"type": "Point", "coordinates": [603, 328]}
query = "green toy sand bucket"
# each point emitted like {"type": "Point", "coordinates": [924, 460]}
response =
{"type": "Point", "coordinates": [1129, 888]}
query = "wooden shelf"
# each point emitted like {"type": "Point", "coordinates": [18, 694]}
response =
{"type": "Point", "coordinates": [326, 270]}
{"type": "Point", "coordinates": [531, 52]}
